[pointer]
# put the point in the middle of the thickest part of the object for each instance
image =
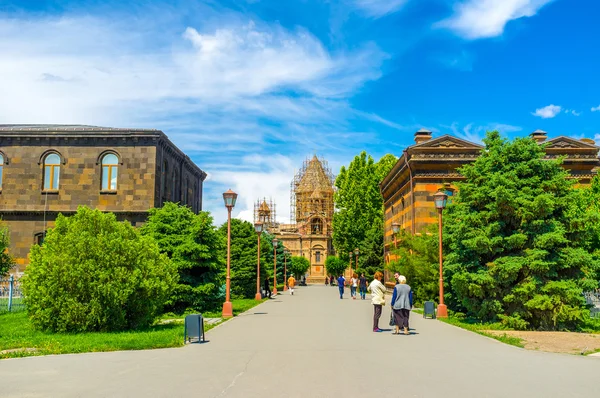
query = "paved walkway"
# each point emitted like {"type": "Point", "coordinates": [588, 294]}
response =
{"type": "Point", "coordinates": [312, 345]}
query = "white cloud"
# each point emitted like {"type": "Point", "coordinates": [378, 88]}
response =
{"type": "Point", "coordinates": [596, 109]}
{"type": "Point", "coordinates": [265, 176]}
{"type": "Point", "coordinates": [477, 19]}
{"type": "Point", "coordinates": [597, 139]}
{"type": "Point", "coordinates": [547, 112]}
{"type": "Point", "coordinates": [572, 112]}
{"type": "Point", "coordinates": [219, 93]}
{"type": "Point", "coordinates": [379, 8]}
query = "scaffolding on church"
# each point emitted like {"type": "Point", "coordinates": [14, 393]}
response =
{"type": "Point", "coordinates": [311, 190]}
{"type": "Point", "coordinates": [265, 212]}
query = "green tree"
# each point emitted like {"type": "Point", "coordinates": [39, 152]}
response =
{"type": "Point", "coordinates": [418, 260]}
{"type": "Point", "coordinates": [358, 221]}
{"type": "Point", "coordinates": [195, 248]}
{"type": "Point", "coordinates": [6, 260]}
{"type": "Point", "coordinates": [335, 266]}
{"type": "Point", "coordinates": [518, 239]}
{"type": "Point", "coordinates": [299, 266]}
{"type": "Point", "coordinates": [94, 273]}
{"type": "Point", "coordinates": [244, 244]}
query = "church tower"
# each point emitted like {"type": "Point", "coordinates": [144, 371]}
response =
{"type": "Point", "coordinates": [310, 232]}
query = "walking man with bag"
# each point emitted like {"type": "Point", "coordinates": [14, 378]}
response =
{"type": "Point", "coordinates": [291, 284]}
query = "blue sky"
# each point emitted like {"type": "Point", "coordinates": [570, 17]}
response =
{"type": "Point", "coordinates": [250, 88]}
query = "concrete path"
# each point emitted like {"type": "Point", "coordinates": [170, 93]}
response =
{"type": "Point", "coordinates": [312, 345]}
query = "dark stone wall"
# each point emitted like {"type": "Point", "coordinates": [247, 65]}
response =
{"type": "Point", "coordinates": [143, 181]}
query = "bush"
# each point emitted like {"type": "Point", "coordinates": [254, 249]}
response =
{"type": "Point", "coordinates": [244, 244]}
{"type": "Point", "coordinates": [195, 248]}
{"type": "Point", "coordinates": [6, 261]}
{"type": "Point", "coordinates": [335, 266]}
{"type": "Point", "coordinates": [94, 273]}
{"type": "Point", "coordinates": [418, 261]}
{"type": "Point", "coordinates": [299, 266]}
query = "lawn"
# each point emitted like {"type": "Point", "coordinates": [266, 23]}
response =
{"type": "Point", "coordinates": [499, 331]}
{"type": "Point", "coordinates": [551, 341]}
{"type": "Point", "coordinates": [17, 333]}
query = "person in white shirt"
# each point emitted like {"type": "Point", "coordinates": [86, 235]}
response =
{"type": "Point", "coordinates": [377, 289]}
{"type": "Point", "coordinates": [353, 285]}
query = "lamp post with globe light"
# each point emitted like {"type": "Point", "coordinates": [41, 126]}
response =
{"type": "Point", "coordinates": [258, 228]}
{"type": "Point", "coordinates": [440, 199]}
{"type": "Point", "coordinates": [275, 242]}
{"type": "Point", "coordinates": [229, 198]}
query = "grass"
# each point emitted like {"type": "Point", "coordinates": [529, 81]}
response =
{"type": "Point", "coordinates": [481, 328]}
{"type": "Point", "coordinates": [17, 333]}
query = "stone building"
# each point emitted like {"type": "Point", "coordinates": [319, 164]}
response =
{"type": "Point", "coordinates": [50, 169]}
{"type": "Point", "coordinates": [310, 233]}
{"type": "Point", "coordinates": [431, 164]}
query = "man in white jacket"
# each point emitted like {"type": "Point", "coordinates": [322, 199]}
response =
{"type": "Point", "coordinates": [377, 290]}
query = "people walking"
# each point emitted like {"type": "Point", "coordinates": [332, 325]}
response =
{"type": "Point", "coordinates": [362, 285]}
{"type": "Point", "coordinates": [378, 299]}
{"type": "Point", "coordinates": [402, 302]}
{"type": "Point", "coordinates": [341, 282]}
{"type": "Point", "coordinates": [267, 287]}
{"type": "Point", "coordinates": [326, 280]}
{"type": "Point", "coordinates": [291, 284]}
{"type": "Point", "coordinates": [353, 285]}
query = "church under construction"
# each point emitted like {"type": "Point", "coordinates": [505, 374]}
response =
{"type": "Point", "coordinates": [309, 233]}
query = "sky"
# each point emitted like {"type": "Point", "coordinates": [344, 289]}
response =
{"type": "Point", "coordinates": [251, 88]}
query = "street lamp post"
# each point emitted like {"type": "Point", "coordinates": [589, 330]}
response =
{"type": "Point", "coordinates": [350, 253]}
{"type": "Point", "coordinates": [275, 241]}
{"type": "Point", "coordinates": [258, 227]}
{"type": "Point", "coordinates": [229, 197]}
{"type": "Point", "coordinates": [440, 199]}
{"type": "Point", "coordinates": [356, 253]}
{"type": "Point", "coordinates": [285, 254]}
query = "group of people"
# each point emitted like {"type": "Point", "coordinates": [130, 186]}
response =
{"type": "Point", "coordinates": [402, 298]}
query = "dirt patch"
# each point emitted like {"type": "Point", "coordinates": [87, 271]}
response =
{"type": "Point", "coordinates": [565, 342]}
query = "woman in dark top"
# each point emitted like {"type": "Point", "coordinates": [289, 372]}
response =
{"type": "Point", "coordinates": [362, 286]}
{"type": "Point", "coordinates": [402, 301]}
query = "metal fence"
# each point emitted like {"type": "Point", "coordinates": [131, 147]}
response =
{"type": "Point", "coordinates": [593, 299]}
{"type": "Point", "coordinates": [11, 296]}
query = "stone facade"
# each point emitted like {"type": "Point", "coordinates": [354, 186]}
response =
{"type": "Point", "coordinates": [149, 171]}
{"type": "Point", "coordinates": [431, 165]}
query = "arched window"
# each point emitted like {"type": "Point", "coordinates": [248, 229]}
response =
{"type": "Point", "coordinates": [1, 169]}
{"type": "Point", "coordinates": [317, 226]}
{"type": "Point", "coordinates": [51, 172]}
{"type": "Point", "coordinates": [110, 169]}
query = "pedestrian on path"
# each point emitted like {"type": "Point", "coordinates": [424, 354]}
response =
{"type": "Point", "coordinates": [362, 285]}
{"type": "Point", "coordinates": [401, 304]}
{"type": "Point", "coordinates": [291, 284]}
{"type": "Point", "coordinates": [267, 287]}
{"type": "Point", "coordinates": [378, 299]}
{"type": "Point", "coordinates": [326, 280]}
{"type": "Point", "coordinates": [332, 281]}
{"type": "Point", "coordinates": [353, 285]}
{"type": "Point", "coordinates": [341, 282]}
